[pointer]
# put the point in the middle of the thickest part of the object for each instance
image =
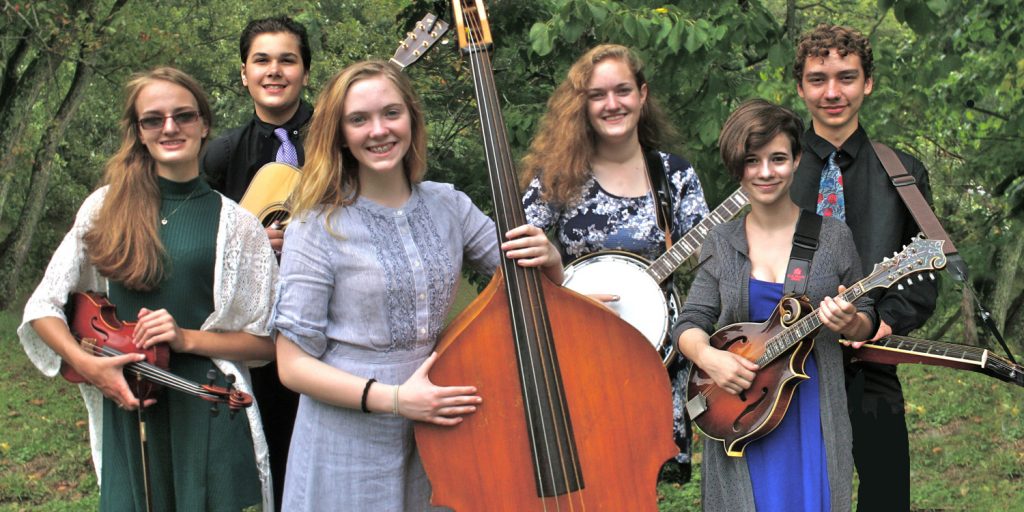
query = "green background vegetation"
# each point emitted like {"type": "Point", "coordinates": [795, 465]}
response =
{"type": "Point", "coordinates": [949, 81]}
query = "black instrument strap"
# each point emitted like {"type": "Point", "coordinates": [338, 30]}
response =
{"type": "Point", "coordinates": [662, 196]}
{"type": "Point", "coordinates": [805, 242]}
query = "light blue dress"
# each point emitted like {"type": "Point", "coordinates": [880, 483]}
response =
{"type": "Point", "coordinates": [370, 298]}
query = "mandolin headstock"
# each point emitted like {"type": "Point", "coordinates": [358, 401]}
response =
{"type": "Point", "coordinates": [920, 255]}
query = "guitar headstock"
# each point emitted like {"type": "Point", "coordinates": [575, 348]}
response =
{"type": "Point", "coordinates": [427, 32]}
{"type": "Point", "coordinates": [472, 26]}
{"type": "Point", "coordinates": [919, 255]}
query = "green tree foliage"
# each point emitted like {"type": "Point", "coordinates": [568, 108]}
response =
{"type": "Point", "coordinates": [948, 90]}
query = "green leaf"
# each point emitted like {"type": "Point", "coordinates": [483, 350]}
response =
{"type": "Point", "coordinates": [598, 11]}
{"type": "Point", "coordinates": [540, 39]}
{"type": "Point", "coordinates": [695, 38]}
{"type": "Point", "coordinates": [663, 32]}
{"type": "Point", "coordinates": [629, 23]}
{"type": "Point", "coordinates": [675, 37]}
{"type": "Point", "coordinates": [572, 30]}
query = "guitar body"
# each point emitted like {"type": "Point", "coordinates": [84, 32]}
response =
{"type": "Point", "coordinates": [622, 436]}
{"type": "Point", "coordinates": [269, 190]}
{"type": "Point", "coordinates": [737, 420]}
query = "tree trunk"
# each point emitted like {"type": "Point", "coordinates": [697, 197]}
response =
{"type": "Point", "coordinates": [970, 323]}
{"type": "Point", "coordinates": [15, 113]}
{"type": "Point", "coordinates": [1006, 285]}
{"type": "Point", "coordinates": [14, 256]}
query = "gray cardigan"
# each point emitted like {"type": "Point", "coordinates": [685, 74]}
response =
{"type": "Point", "coordinates": [719, 296]}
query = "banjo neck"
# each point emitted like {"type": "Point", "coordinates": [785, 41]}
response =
{"type": "Point", "coordinates": [690, 242]}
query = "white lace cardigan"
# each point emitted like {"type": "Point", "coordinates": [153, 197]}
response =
{"type": "Point", "coordinates": [244, 285]}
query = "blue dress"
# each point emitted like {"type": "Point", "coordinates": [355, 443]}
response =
{"type": "Point", "coordinates": [788, 468]}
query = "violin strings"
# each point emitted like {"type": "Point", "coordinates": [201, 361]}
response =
{"type": "Point", "coordinates": [160, 376]}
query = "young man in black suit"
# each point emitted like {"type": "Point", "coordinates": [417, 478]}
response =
{"type": "Point", "coordinates": [275, 69]}
{"type": "Point", "coordinates": [841, 175]}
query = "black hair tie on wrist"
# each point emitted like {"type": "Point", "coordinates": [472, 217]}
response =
{"type": "Point", "coordinates": [366, 391]}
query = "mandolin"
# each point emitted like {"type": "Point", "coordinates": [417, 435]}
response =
{"type": "Point", "coordinates": [780, 347]}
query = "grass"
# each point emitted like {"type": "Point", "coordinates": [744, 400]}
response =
{"type": "Point", "coordinates": [966, 429]}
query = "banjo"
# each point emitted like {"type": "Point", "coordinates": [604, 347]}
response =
{"type": "Point", "coordinates": [637, 282]}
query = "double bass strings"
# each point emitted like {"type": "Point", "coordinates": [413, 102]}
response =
{"type": "Point", "coordinates": [519, 280]}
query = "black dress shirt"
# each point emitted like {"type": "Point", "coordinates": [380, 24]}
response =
{"type": "Point", "coordinates": [231, 160]}
{"type": "Point", "coordinates": [878, 218]}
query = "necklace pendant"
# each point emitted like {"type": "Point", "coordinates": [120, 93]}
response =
{"type": "Point", "coordinates": [163, 221]}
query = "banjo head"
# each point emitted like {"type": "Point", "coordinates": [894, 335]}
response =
{"type": "Point", "coordinates": [641, 300]}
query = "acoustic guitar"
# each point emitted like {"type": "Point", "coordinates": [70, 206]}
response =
{"type": "Point", "coordinates": [780, 347]}
{"type": "Point", "coordinates": [267, 195]}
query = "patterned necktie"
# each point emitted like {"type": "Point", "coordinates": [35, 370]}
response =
{"type": "Point", "coordinates": [830, 191]}
{"type": "Point", "coordinates": [286, 153]}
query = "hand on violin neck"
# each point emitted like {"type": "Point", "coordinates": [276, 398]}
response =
{"type": "Point", "coordinates": [420, 400]}
{"type": "Point", "coordinates": [159, 327]}
{"type": "Point", "coordinates": [107, 375]}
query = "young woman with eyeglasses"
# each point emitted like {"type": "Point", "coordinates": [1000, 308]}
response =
{"type": "Point", "coordinates": [197, 273]}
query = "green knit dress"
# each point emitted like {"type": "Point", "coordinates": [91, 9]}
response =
{"type": "Point", "coordinates": [197, 461]}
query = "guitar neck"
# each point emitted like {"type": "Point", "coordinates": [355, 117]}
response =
{"type": "Point", "coordinates": [903, 349]}
{"type": "Point", "coordinates": [688, 245]}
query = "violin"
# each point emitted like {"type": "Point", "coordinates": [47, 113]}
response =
{"type": "Point", "coordinates": [93, 322]}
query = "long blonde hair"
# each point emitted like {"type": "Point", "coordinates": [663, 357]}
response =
{"type": "Point", "coordinates": [561, 152]}
{"type": "Point", "coordinates": [330, 176]}
{"type": "Point", "coordinates": [124, 241]}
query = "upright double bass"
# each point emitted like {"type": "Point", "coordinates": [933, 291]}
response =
{"type": "Point", "coordinates": [589, 434]}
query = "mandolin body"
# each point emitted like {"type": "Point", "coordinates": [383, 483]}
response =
{"type": "Point", "coordinates": [737, 420]}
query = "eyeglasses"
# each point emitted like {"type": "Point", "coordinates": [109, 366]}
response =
{"type": "Point", "coordinates": [180, 119]}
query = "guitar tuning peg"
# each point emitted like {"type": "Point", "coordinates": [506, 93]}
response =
{"type": "Point", "coordinates": [920, 278]}
{"type": "Point", "coordinates": [910, 281]}
{"type": "Point", "coordinates": [899, 287]}
{"type": "Point", "coordinates": [931, 275]}
{"type": "Point", "coordinates": [211, 376]}
{"type": "Point", "coordinates": [214, 410]}
{"type": "Point", "coordinates": [230, 378]}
